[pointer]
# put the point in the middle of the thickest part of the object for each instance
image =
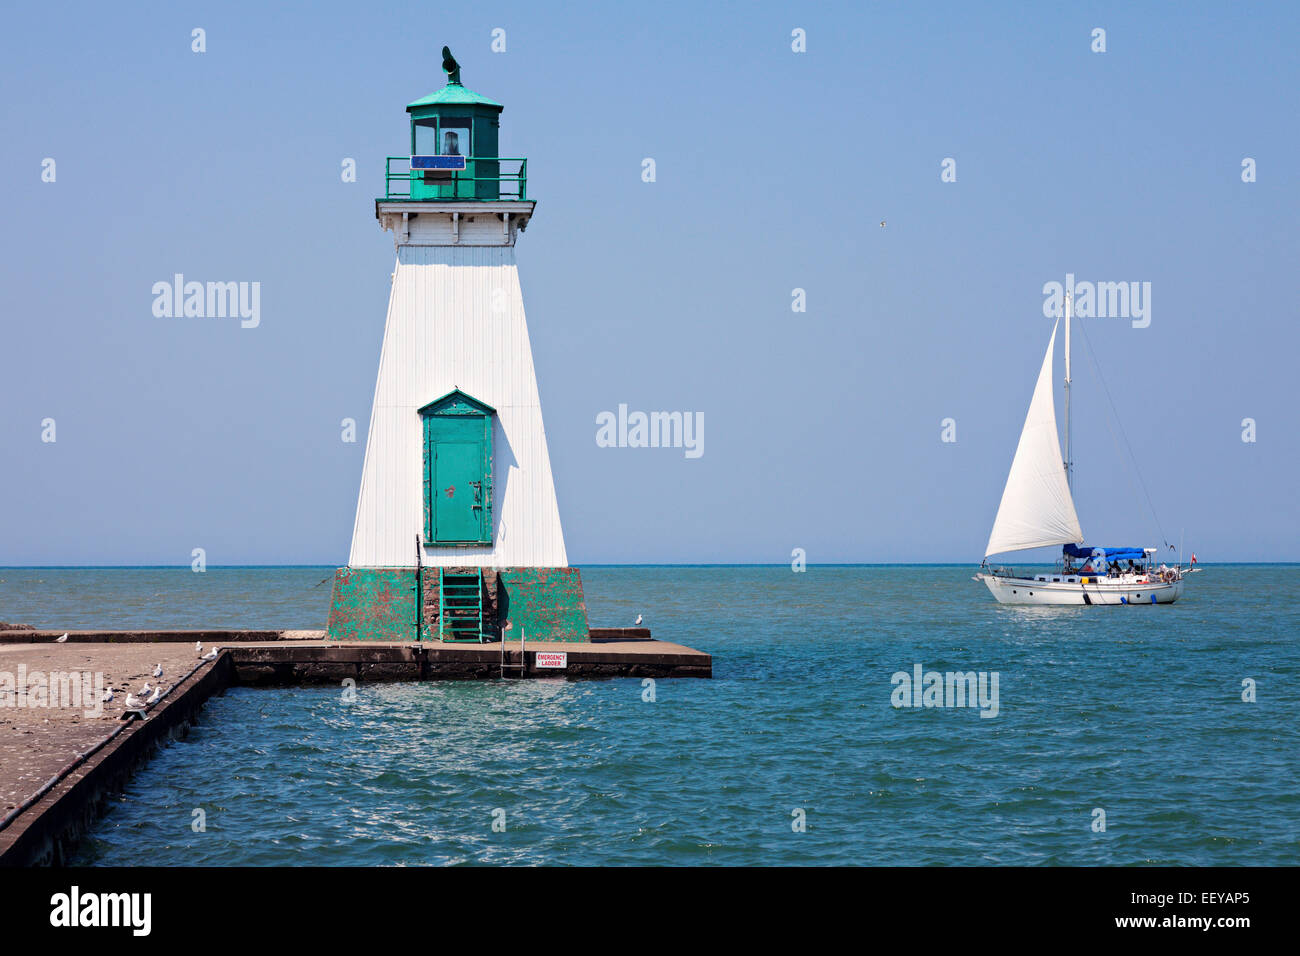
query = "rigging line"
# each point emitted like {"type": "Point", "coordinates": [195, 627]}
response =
{"type": "Point", "coordinates": [1132, 459]}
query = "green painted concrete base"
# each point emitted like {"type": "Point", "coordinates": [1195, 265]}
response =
{"type": "Point", "coordinates": [546, 604]}
{"type": "Point", "coordinates": [372, 604]}
{"type": "Point", "coordinates": [379, 604]}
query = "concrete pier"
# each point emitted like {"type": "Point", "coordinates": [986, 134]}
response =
{"type": "Point", "coordinates": [302, 662]}
{"type": "Point", "coordinates": [60, 762]}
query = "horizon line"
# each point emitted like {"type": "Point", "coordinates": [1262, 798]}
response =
{"type": "Point", "coordinates": [619, 564]}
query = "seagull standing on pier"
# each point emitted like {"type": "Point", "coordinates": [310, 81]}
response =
{"type": "Point", "coordinates": [637, 622]}
{"type": "Point", "coordinates": [210, 655]}
{"type": "Point", "coordinates": [108, 696]}
{"type": "Point", "coordinates": [133, 702]}
{"type": "Point", "coordinates": [198, 647]}
{"type": "Point", "coordinates": [61, 640]}
{"type": "Point", "coordinates": [155, 696]}
{"type": "Point", "coordinates": [157, 670]}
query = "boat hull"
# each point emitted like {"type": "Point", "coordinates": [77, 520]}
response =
{"type": "Point", "coordinates": [1103, 591]}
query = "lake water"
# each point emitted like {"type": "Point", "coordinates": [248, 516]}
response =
{"type": "Point", "coordinates": [1136, 711]}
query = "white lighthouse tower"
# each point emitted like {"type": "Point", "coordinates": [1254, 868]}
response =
{"type": "Point", "coordinates": [457, 527]}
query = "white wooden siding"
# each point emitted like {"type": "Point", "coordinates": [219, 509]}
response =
{"type": "Point", "coordinates": [456, 320]}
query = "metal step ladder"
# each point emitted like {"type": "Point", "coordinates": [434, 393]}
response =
{"type": "Point", "coordinates": [460, 605]}
{"type": "Point", "coordinates": [522, 666]}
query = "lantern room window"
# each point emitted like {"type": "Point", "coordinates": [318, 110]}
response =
{"type": "Point", "coordinates": [424, 137]}
{"type": "Point", "coordinates": [454, 138]}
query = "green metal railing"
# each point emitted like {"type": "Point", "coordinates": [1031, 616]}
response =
{"type": "Point", "coordinates": [484, 179]}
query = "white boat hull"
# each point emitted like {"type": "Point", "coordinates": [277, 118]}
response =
{"type": "Point", "coordinates": [1107, 591]}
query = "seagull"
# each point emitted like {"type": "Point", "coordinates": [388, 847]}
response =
{"type": "Point", "coordinates": [61, 640]}
{"type": "Point", "coordinates": [157, 670]}
{"type": "Point", "coordinates": [108, 696]}
{"type": "Point", "coordinates": [638, 619]}
{"type": "Point", "coordinates": [155, 696]}
{"type": "Point", "coordinates": [144, 691]}
{"type": "Point", "coordinates": [210, 655]}
{"type": "Point", "coordinates": [882, 224]}
{"type": "Point", "coordinates": [133, 702]}
{"type": "Point", "coordinates": [198, 647]}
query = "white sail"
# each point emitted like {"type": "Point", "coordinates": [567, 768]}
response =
{"type": "Point", "coordinates": [1037, 509]}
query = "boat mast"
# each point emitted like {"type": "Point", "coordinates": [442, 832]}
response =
{"type": "Point", "coordinates": [1069, 466]}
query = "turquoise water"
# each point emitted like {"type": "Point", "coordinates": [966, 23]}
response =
{"type": "Point", "coordinates": [134, 598]}
{"type": "Point", "coordinates": [1137, 711]}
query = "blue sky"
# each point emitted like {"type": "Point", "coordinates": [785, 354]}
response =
{"type": "Point", "coordinates": [774, 171]}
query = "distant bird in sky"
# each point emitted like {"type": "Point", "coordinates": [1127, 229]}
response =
{"type": "Point", "coordinates": [61, 640]}
{"type": "Point", "coordinates": [157, 670]}
{"type": "Point", "coordinates": [882, 224]}
{"type": "Point", "coordinates": [211, 655]}
{"type": "Point", "coordinates": [154, 697]}
{"type": "Point", "coordinates": [638, 619]}
{"type": "Point", "coordinates": [133, 702]}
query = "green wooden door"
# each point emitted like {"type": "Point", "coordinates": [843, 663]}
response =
{"type": "Point", "coordinates": [458, 491]}
{"type": "Point", "coordinates": [457, 470]}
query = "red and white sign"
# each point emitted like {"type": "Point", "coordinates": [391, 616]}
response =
{"type": "Point", "coordinates": [549, 659]}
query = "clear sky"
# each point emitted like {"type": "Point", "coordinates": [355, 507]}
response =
{"type": "Point", "coordinates": [774, 171]}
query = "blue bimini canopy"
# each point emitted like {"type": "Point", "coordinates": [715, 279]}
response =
{"type": "Point", "coordinates": [1112, 554]}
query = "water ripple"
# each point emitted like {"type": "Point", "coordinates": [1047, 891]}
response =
{"type": "Point", "coordinates": [1134, 711]}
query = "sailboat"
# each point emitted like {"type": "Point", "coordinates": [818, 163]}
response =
{"type": "Point", "coordinates": [1037, 511]}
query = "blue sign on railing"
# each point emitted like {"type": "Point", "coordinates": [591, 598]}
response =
{"type": "Point", "coordinates": [438, 162]}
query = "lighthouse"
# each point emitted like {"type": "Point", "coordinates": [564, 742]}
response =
{"type": "Point", "coordinates": [457, 534]}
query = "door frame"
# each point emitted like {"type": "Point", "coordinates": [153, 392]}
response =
{"type": "Point", "coordinates": [457, 418]}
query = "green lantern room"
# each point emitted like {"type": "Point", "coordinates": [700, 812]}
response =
{"type": "Point", "coordinates": [454, 150]}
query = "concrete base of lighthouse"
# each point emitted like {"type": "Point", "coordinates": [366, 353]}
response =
{"type": "Point", "coordinates": [380, 604]}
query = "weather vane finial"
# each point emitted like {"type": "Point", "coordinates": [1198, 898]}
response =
{"type": "Point", "coordinates": [451, 67]}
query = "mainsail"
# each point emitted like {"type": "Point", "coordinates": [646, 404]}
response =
{"type": "Point", "coordinates": [1037, 509]}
